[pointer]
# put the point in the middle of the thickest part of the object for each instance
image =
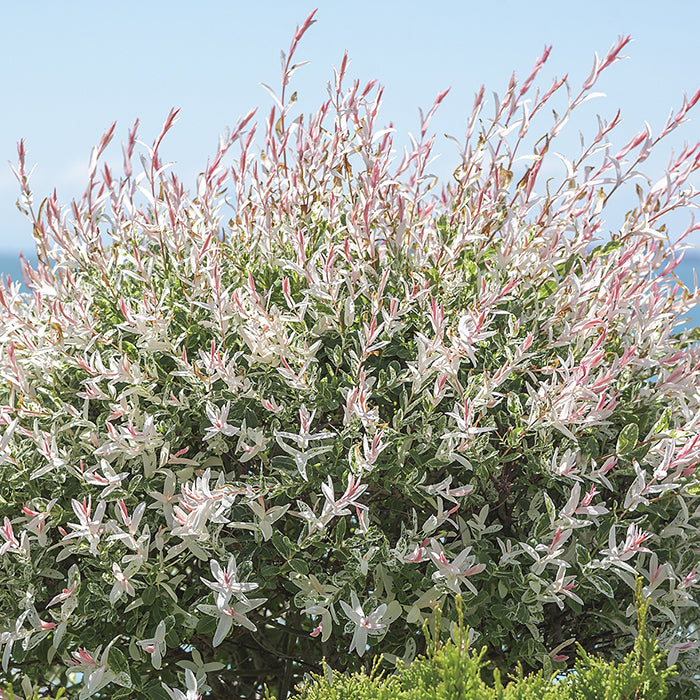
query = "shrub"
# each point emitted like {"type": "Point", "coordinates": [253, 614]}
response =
{"type": "Point", "coordinates": [30, 692]}
{"type": "Point", "coordinates": [453, 671]}
{"type": "Point", "coordinates": [286, 416]}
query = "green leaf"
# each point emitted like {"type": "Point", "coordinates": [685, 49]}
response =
{"type": "Point", "coordinates": [157, 692]}
{"type": "Point", "coordinates": [546, 289]}
{"type": "Point", "coordinates": [340, 531]}
{"type": "Point", "coordinates": [299, 565]}
{"type": "Point", "coordinates": [251, 419]}
{"type": "Point", "coordinates": [169, 591]}
{"type": "Point", "coordinates": [514, 406]}
{"type": "Point", "coordinates": [122, 694]}
{"type": "Point", "coordinates": [499, 611]}
{"type": "Point", "coordinates": [593, 448]}
{"type": "Point", "coordinates": [118, 661]}
{"type": "Point", "coordinates": [627, 440]}
{"type": "Point", "coordinates": [281, 544]}
{"type": "Point", "coordinates": [551, 508]}
{"type": "Point", "coordinates": [602, 586]}
{"type": "Point", "coordinates": [528, 648]}
{"type": "Point", "coordinates": [124, 679]}
{"type": "Point", "coordinates": [268, 571]}
{"type": "Point", "coordinates": [568, 265]}
{"type": "Point", "coordinates": [583, 556]}
{"type": "Point", "coordinates": [206, 626]}
{"type": "Point", "coordinates": [522, 613]}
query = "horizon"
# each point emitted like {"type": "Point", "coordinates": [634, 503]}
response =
{"type": "Point", "coordinates": [10, 265]}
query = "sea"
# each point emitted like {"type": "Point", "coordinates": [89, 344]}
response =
{"type": "Point", "coordinates": [10, 265]}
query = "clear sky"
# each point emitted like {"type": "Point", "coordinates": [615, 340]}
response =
{"type": "Point", "coordinates": [69, 69]}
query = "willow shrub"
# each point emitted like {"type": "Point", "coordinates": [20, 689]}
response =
{"type": "Point", "coordinates": [285, 416]}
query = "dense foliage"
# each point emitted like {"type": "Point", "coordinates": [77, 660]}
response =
{"type": "Point", "coordinates": [454, 671]}
{"type": "Point", "coordinates": [288, 415]}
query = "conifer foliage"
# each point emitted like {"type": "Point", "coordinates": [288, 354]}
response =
{"type": "Point", "coordinates": [289, 414]}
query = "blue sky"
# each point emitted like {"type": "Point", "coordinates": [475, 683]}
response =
{"type": "Point", "coordinates": [69, 69]}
